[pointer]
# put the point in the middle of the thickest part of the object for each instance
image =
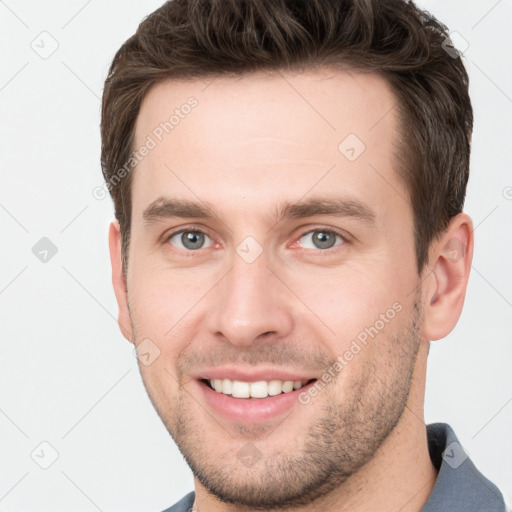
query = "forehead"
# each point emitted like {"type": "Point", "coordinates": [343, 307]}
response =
{"type": "Point", "coordinates": [268, 136]}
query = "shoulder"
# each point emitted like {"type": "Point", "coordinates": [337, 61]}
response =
{"type": "Point", "coordinates": [459, 485]}
{"type": "Point", "coordinates": [184, 505]}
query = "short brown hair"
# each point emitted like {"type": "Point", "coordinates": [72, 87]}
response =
{"type": "Point", "coordinates": [194, 39]}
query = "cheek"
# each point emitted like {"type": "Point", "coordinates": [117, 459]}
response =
{"type": "Point", "coordinates": [162, 309]}
{"type": "Point", "coordinates": [159, 299]}
{"type": "Point", "coordinates": [348, 300]}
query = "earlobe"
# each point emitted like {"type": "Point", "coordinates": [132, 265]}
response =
{"type": "Point", "coordinates": [119, 281]}
{"type": "Point", "coordinates": [450, 265]}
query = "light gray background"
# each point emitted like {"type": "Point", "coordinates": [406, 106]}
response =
{"type": "Point", "coordinates": [68, 377]}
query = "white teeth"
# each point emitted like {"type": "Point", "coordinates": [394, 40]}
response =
{"type": "Point", "coordinates": [227, 387]}
{"type": "Point", "coordinates": [275, 387]}
{"type": "Point", "coordinates": [240, 389]}
{"type": "Point", "coordinates": [287, 386]}
{"type": "Point", "coordinates": [260, 389]}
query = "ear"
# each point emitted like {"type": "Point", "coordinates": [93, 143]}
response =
{"type": "Point", "coordinates": [119, 281]}
{"type": "Point", "coordinates": [450, 264]}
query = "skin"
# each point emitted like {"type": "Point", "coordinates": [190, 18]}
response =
{"type": "Point", "coordinates": [251, 144]}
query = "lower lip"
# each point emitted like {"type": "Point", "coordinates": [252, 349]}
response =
{"type": "Point", "coordinates": [251, 410]}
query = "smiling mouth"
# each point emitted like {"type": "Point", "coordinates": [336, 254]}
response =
{"type": "Point", "coordinates": [260, 389]}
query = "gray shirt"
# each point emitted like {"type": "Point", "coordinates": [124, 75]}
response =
{"type": "Point", "coordinates": [459, 487]}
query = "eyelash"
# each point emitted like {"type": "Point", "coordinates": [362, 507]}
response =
{"type": "Point", "coordinates": [330, 250]}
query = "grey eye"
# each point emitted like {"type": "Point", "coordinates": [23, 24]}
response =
{"type": "Point", "coordinates": [189, 240]}
{"type": "Point", "coordinates": [322, 239]}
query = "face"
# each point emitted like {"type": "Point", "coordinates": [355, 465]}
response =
{"type": "Point", "coordinates": [272, 257]}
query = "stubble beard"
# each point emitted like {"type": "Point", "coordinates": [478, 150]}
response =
{"type": "Point", "coordinates": [344, 436]}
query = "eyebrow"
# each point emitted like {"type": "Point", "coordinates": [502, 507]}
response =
{"type": "Point", "coordinates": [166, 207]}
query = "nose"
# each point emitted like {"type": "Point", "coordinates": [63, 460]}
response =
{"type": "Point", "coordinates": [249, 303]}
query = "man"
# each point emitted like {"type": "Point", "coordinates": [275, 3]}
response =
{"type": "Point", "coordinates": [288, 180]}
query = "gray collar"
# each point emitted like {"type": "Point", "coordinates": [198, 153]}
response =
{"type": "Point", "coordinates": [459, 487]}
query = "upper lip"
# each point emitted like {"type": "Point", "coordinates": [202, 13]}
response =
{"type": "Point", "coordinates": [253, 375]}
